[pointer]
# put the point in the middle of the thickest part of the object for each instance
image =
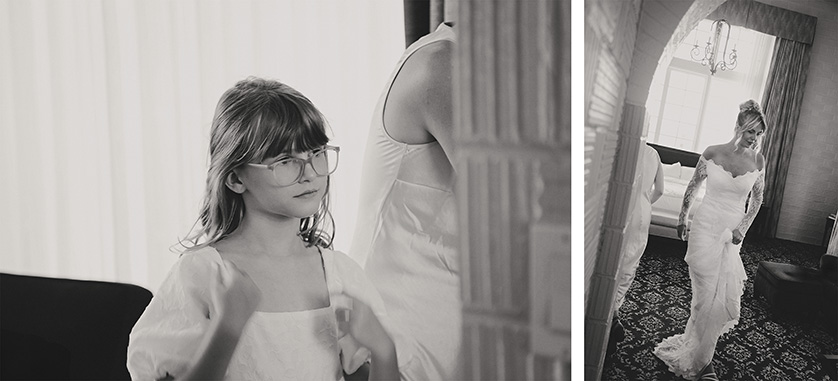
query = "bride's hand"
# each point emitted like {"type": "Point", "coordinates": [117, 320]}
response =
{"type": "Point", "coordinates": [682, 232]}
{"type": "Point", "coordinates": [737, 237]}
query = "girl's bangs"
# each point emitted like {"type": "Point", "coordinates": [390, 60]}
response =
{"type": "Point", "coordinates": [294, 127]}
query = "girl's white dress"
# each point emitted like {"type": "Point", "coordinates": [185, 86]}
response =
{"type": "Point", "coordinates": [299, 345]}
{"type": "Point", "coordinates": [716, 271]}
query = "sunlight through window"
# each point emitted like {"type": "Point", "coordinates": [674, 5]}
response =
{"type": "Point", "coordinates": [691, 109]}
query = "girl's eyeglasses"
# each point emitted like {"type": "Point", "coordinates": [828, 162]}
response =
{"type": "Point", "coordinates": [289, 170]}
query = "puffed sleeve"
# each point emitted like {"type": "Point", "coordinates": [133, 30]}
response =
{"type": "Point", "coordinates": [168, 333]}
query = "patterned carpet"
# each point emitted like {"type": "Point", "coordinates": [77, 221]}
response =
{"type": "Point", "coordinates": [760, 347]}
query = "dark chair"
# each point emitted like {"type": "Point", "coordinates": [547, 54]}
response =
{"type": "Point", "coordinates": [63, 329]}
{"type": "Point", "coordinates": [791, 290]}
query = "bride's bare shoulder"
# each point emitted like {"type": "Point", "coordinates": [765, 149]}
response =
{"type": "Point", "coordinates": [760, 160]}
{"type": "Point", "coordinates": [711, 151]}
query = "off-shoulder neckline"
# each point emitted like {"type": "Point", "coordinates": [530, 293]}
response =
{"type": "Point", "coordinates": [756, 170]}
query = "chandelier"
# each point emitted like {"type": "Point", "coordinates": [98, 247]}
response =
{"type": "Point", "coordinates": [715, 53]}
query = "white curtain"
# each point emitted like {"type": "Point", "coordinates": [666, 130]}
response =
{"type": "Point", "coordinates": [105, 108]}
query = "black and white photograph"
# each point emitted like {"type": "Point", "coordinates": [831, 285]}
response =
{"type": "Point", "coordinates": [711, 190]}
{"type": "Point", "coordinates": [419, 190]}
{"type": "Point", "coordinates": [285, 190]}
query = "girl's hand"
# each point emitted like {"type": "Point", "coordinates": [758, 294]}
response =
{"type": "Point", "coordinates": [365, 328]}
{"type": "Point", "coordinates": [682, 232]}
{"type": "Point", "coordinates": [737, 237]}
{"type": "Point", "coordinates": [234, 296]}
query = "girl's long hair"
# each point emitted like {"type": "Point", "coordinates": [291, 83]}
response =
{"type": "Point", "coordinates": [254, 120]}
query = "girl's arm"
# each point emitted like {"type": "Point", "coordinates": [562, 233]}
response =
{"type": "Point", "coordinates": [368, 331]}
{"type": "Point", "coordinates": [689, 196]}
{"type": "Point", "coordinates": [384, 365]}
{"type": "Point", "coordinates": [235, 298]}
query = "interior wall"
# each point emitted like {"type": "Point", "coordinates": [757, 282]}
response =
{"type": "Point", "coordinates": [610, 28]}
{"type": "Point", "coordinates": [610, 31]}
{"type": "Point", "coordinates": [661, 25]}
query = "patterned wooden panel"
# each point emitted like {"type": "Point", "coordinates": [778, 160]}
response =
{"type": "Point", "coordinates": [619, 191]}
{"type": "Point", "coordinates": [602, 16]}
{"type": "Point", "coordinates": [516, 67]}
{"type": "Point", "coordinates": [623, 48]}
{"type": "Point", "coordinates": [501, 352]}
{"type": "Point", "coordinates": [554, 203]}
{"type": "Point", "coordinates": [593, 46]}
{"type": "Point", "coordinates": [605, 97]}
{"type": "Point", "coordinates": [608, 89]}
{"type": "Point", "coordinates": [601, 148]}
{"type": "Point", "coordinates": [561, 92]}
{"type": "Point", "coordinates": [501, 198]}
{"type": "Point", "coordinates": [508, 66]}
{"type": "Point", "coordinates": [513, 140]}
{"type": "Point", "coordinates": [547, 368]}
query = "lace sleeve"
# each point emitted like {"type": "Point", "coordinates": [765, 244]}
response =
{"type": "Point", "coordinates": [699, 175]}
{"type": "Point", "coordinates": [754, 204]}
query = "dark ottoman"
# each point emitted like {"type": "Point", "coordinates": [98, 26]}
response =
{"type": "Point", "coordinates": [789, 288]}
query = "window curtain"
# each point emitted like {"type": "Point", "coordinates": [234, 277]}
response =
{"type": "Point", "coordinates": [832, 248]}
{"type": "Point", "coordinates": [783, 92]}
{"type": "Point", "coordinates": [105, 111]}
{"type": "Point", "coordinates": [768, 19]}
{"type": "Point", "coordinates": [781, 102]}
{"type": "Point", "coordinates": [423, 16]}
{"type": "Point", "coordinates": [417, 15]}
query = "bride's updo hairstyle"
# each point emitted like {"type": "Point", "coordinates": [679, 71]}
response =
{"type": "Point", "coordinates": [750, 116]}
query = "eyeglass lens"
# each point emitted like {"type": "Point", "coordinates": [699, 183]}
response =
{"type": "Point", "coordinates": [289, 171]}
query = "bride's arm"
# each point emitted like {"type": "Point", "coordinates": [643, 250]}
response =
{"type": "Point", "coordinates": [753, 205]}
{"type": "Point", "coordinates": [699, 175]}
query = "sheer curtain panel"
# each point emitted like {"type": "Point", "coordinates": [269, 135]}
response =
{"type": "Point", "coordinates": [105, 109]}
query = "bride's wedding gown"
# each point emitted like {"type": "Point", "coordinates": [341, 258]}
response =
{"type": "Point", "coordinates": [716, 271]}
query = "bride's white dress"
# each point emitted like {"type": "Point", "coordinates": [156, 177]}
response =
{"type": "Point", "coordinates": [716, 271]}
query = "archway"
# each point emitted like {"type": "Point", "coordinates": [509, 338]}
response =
{"type": "Point", "coordinates": [648, 48]}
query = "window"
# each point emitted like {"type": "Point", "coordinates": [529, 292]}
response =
{"type": "Point", "coordinates": [691, 109]}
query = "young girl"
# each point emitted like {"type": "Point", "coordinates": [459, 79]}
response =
{"type": "Point", "coordinates": [257, 294]}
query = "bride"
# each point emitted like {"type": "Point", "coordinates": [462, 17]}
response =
{"type": "Point", "coordinates": [732, 170]}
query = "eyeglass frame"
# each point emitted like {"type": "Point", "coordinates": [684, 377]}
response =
{"type": "Point", "coordinates": [305, 162]}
